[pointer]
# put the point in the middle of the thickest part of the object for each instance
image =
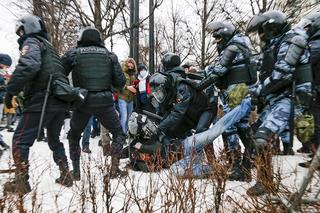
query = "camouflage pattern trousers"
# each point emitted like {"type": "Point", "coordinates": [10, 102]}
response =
{"type": "Point", "coordinates": [276, 116]}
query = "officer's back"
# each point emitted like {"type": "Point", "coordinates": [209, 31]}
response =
{"type": "Point", "coordinates": [97, 70]}
{"type": "Point", "coordinates": [88, 63]}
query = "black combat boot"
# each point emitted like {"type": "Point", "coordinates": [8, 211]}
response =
{"type": "Point", "coordinates": [115, 171]}
{"type": "Point", "coordinates": [287, 149]}
{"type": "Point", "coordinates": [246, 168]}
{"type": "Point", "coordinates": [20, 185]}
{"type": "Point", "coordinates": [76, 170]}
{"type": "Point", "coordinates": [247, 139]}
{"type": "Point", "coordinates": [65, 178]}
{"type": "Point", "coordinates": [236, 173]}
{"type": "Point", "coordinates": [86, 149]}
{"type": "Point", "coordinates": [304, 149]}
{"type": "Point", "coordinates": [264, 182]}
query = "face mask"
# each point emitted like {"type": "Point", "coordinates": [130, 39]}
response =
{"type": "Point", "coordinates": [131, 71]}
{"type": "Point", "coordinates": [143, 73]}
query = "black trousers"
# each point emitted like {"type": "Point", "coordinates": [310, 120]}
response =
{"type": "Point", "coordinates": [26, 133]}
{"type": "Point", "coordinates": [107, 116]}
{"type": "Point", "coordinates": [315, 110]}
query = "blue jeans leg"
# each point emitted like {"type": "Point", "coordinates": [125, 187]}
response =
{"type": "Point", "coordinates": [87, 132]}
{"type": "Point", "coordinates": [125, 109]}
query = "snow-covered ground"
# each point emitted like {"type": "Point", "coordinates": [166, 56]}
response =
{"type": "Point", "coordinates": [161, 191]}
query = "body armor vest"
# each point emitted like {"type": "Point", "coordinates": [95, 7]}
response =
{"type": "Point", "coordinates": [302, 74]}
{"type": "Point", "coordinates": [51, 64]}
{"type": "Point", "coordinates": [244, 71]}
{"type": "Point", "coordinates": [268, 62]}
{"type": "Point", "coordinates": [315, 60]}
{"type": "Point", "coordinates": [93, 69]}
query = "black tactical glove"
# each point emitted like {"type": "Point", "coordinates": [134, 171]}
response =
{"type": "Point", "coordinates": [8, 100]}
{"type": "Point", "coordinates": [305, 99]}
{"type": "Point", "coordinates": [254, 99]}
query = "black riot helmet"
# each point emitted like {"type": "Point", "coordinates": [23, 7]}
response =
{"type": "Point", "coordinates": [30, 24]}
{"type": "Point", "coordinates": [170, 60]}
{"type": "Point", "coordinates": [269, 25]}
{"type": "Point", "coordinates": [161, 87]}
{"type": "Point", "coordinates": [222, 31]}
{"type": "Point", "coordinates": [90, 36]}
{"type": "Point", "coordinates": [312, 23]}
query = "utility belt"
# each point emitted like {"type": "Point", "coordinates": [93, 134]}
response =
{"type": "Point", "coordinates": [303, 74]}
{"type": "Point", "coordinates": [97, 91]}
{"type": "Point", "coordinates": [93, 86]}
{"type": "Point", "coordinates": [240, 74]}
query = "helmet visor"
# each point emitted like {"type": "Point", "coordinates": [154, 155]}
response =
{"type": "Point", "coordinates": [159, 94]}
{"type": "Point", "coordinates": [255, 23]}
{"type": "Point", "coordinates": [18, 27]}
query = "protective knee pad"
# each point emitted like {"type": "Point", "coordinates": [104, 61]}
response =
{"type": "Point", "coordinates": [263, 136]}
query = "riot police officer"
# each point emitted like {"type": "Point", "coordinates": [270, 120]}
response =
{"type": "Point", "coordinates": [233, 71]}
{"type": "Point", "coordinates": [312, 23]}
{"type": "Point", "coordinates": [38, 60]}
{"type": "Point", "coordinates": [97, 70]}
{"type": "Point", "coordinates": [287, 69]}
{"type": "Point", "coordinates": [183, 107]}
{"type": "Point", "coordinates": [179, 103]}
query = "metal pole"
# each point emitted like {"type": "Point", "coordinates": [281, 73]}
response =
{"type": "Point", "coordinates": [136, 32]}
{"type": "Point", "coordinates": [131, 27]}
{"type": "Point", "coordinates": [151, 36]}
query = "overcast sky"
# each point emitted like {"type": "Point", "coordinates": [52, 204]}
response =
{"type": "Point", "coordinates": [8, 38]}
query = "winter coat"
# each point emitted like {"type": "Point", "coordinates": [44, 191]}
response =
{"type": "Point", "coordinates": [124, 93]}
{"type": "Point", "coordinates": [23, 78]}
{"type": "Point", "coordinates": [144, 84]}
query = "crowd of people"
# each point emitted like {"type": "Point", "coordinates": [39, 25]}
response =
{"type": "Point", "coordinates": [171, 105]}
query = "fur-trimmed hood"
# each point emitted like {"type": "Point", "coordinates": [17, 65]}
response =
{"type": "Point", "coordinates": [125, 67]}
